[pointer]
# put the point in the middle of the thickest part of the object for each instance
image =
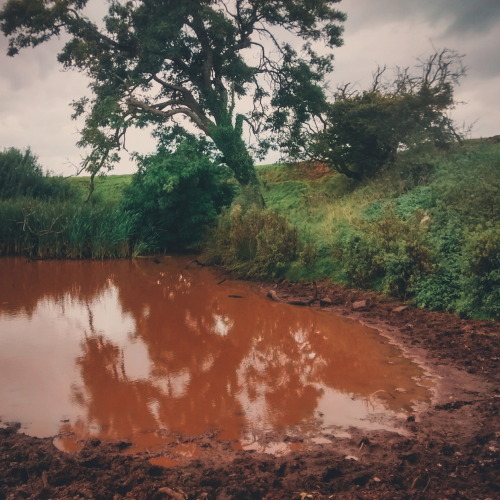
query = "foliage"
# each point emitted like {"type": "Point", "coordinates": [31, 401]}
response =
{"type": "Point", "coordinates": [175, 195]}
{"type": "Point", "coordinates": [364, 130]}
{"type": "Point", "coordinates": [151, 61]}
{"type": "Point", "coordinates": [22, 175]}
{"type": "Point", "coordinates": [252, 244]}
{"type": "Point", "coordinates": [480, 277]}
{"type": "Point", "coordinates": [358, 252]}
{"type": "Point", "coordinates": [387, 252]}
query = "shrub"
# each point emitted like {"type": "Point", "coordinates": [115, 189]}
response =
{"type": "Point", "coordinates": [253, 244]}
{"type": "Point", "coordinates": [175, 195]}
{"type": "Point", "coordinates": [21, 175]}
{"type": "Point", "coordinates": [438, 290]}
{"type": "Point", "coordinates": [480, 278]}
{"type": "Point", "coordinates": [359, 255]}
{"type": "Point", "coordinates": [385, 252]}
{"type": "Point", "coordinates": [405, 247]}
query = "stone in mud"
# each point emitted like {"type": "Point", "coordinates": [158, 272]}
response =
{"type": "Point", "coordinates": [359, 304]}
{"type": "Point", "coordinates": [273, 296]}
{"type": "Point", "coordinates": [325, 302]}
{"type": "Point", "coordinates": [399, 309]}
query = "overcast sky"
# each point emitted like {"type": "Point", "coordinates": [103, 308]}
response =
{"type": "Point", "coordinates": [35, 94]}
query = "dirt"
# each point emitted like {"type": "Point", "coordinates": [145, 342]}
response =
{"type": "Point", "coordinates": [447, 450]}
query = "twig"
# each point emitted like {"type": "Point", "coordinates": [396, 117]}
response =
{"type": "Point", "coordinates": [423, 491]}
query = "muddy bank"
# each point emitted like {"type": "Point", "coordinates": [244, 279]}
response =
{"type": "Point", "coordinates": [449, 450]}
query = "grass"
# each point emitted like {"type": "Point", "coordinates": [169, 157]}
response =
{"type": "Point", "coordinates": [109, 188]}
{"type": "Point", "coordinates": [64, 229]}
{"type": "Point", "coordinates": [426, 228]}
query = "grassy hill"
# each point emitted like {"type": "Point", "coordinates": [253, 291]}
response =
{"type": "Point", "coordinates": [427, 228]}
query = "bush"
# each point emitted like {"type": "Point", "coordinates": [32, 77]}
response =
{"type": "Point", "coordinates": [359, 255]}
{"type": "Point", "coordinates": [386, 252]}
{"type": "Point", "coordinates": [175, 195]}
{"type": "Point", "coordinates": [253, 244]}
{"type": "Point", "coordinates": [480, 278]}
{"type": "Point", "coordinates": [21, 175]}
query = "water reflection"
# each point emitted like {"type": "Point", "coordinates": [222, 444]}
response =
{"type": "Point", "coordinates": [139, 351]}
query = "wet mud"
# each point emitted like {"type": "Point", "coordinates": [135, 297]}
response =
{"type": "Point", "coordinates": [448, 448]}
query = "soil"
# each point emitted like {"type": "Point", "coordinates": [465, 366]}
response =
{"type": "Point", "coordinates": [448, 450]}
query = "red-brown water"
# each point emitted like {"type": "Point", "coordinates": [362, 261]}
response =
{"type": "Point", "coordinates": [139, 351]}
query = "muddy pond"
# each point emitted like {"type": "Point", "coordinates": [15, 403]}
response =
{"type": "Point", "coordinates": [145, 352]}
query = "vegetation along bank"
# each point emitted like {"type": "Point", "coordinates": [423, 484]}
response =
{"type": "Point", "coordinates": [425, 228]}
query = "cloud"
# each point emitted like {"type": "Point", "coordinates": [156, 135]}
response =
{"type": "Point", "coordinates": [455, 16]}
{"type": "Point", "coordinates": [468, 16]}
{"type": "Point", "coordinates": [396, 33]}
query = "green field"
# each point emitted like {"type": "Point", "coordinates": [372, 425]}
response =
{"type": "Point", "coordinates": [108, 188]}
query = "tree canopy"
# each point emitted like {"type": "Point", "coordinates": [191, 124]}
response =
{"type": "Point", "coordinates": [21, 175]}
{"type": "Point", "coordinates": [154, 61]}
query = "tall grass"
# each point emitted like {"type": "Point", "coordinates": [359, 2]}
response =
{"type": "Point", "coordinates": [55, 229]}
{"type": "Point", "coordinates": [252, 243]}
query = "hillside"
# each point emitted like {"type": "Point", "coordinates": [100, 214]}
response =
{"type": "Point", "coordinates": [427, 228]}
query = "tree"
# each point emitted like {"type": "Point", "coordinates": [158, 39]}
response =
{"type": "Point", "coordinates": [364, 130]}
{"type": "Point", "coordinates": [153, 61]}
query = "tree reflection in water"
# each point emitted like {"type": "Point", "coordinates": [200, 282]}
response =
{"type": "Point", "coordinates": [197, 358]}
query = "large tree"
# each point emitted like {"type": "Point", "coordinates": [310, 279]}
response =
{"type": "Point", "coordinates": [154, 61]}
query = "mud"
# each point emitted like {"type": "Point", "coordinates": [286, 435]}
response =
{"type": "Point", "coordinates": [448, 450]}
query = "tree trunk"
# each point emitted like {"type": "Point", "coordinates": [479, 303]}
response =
{"type": "Point", "coordinates": [236, 156]}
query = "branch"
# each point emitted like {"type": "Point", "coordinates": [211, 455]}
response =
{"type": "Point", "coordinates": [178, 88]}
{"type": "Point", "coordinates": [165, 115]}
{"type": "Point", "coordinates": [189, 99]}
{"type": "Point", "coordinates": [254, 129]}
{"type": "Point", "coordinates": [377, 78]}
{"type": "Point", "coordinates": [170, 102]}
{"type": "Point", "coordinates": [208, 57]}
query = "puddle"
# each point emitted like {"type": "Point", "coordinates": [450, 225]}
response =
{"type": "Point", "coordinates": [141, 352]}
{"type": "Point", "coordinates": [68, 444]}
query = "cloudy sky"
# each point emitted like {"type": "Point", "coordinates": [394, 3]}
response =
{"type": "Point", "coordinates": [35, 94]}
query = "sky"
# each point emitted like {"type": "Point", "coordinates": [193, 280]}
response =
{"type": "Point", "coordinates": [35, 93]}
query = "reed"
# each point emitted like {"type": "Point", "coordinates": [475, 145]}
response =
{"type": "Point", "coordinates": [59, 229]}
